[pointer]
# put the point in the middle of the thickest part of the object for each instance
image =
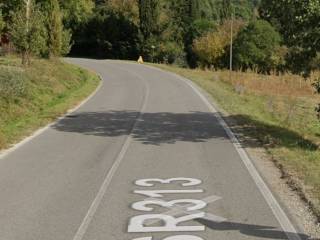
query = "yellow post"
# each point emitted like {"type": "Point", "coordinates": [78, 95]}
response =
{"type": "Point", "coordinates": [140, 60]}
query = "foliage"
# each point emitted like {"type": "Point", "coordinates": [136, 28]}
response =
{"type": "Point", "coordinates": [12, 83]}
{"type": "Point", "coordinates": [8, 8]}
{"type": "Point", "coordinates": [129, 9]}
{"type": "Point", "coordinates": [213, 46]}
{"type": "Point", "coordinates": [226, 10]}
{"type": "Point", "coordinates": [76, 12]}
{"type": "Point", "coordinates": [300, 27]}
{"type": "Point", "coordinates": [29, 35]}
{"type": "Point", "coordinates": [99, 37]}
{"type": "Point", "coordinates": [210, 47]}
{"type": "Point", "coordinates": [149, 17]}
{"type": "Point", "coordinates": [2, 23]}
{"type": "Point", "coordinates": [55, 30]}
{"type": "Point", "coordinates": [255, 47]}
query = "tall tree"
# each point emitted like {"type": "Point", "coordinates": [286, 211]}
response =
{"type": "Point", "coordinates": [149, 16]}
{"type": "Point", "coordinates": [28, 32]}
{"type": "Point", "coordinates": [76, 12]}
{"type": "Point", "coordinates": [300, 27]}
{"type": "Point", "coordinates": [55, 29]}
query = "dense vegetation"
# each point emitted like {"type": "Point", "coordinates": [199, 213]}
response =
{"type": "Point", "coordinates": [170, 31]}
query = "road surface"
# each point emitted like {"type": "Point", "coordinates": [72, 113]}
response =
{"type": "Point", "coordinates": [146, 158]}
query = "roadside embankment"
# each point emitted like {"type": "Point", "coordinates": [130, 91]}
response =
{"type": "Point", "coordinates": [33, 97]}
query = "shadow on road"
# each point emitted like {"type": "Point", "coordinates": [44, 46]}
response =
{"type": "Point", "coordinates": [165, 127]}
{"type": "Point", "coordinates": [152, 128]}
{"type": "Point", "coordinates": [251, 230]}
{"type": "Point", "coordinates": [169, 128]}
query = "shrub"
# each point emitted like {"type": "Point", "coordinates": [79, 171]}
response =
{"type": "Point", "coordinates": [13, 83]}
{"type": "Point", "coordinates": [210, 48]}
{"type": "Point", "coordinates": [213, 45]}
{"type": "Point", "coordinates": [257, 47]}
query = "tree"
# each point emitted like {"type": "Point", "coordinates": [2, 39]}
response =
{"type": "Point", "coordinates": [149, 26]}
{"type": "Point", "coordinates": [8, 8]}
{"type": "Point", "coordinates": [300, 27]}
{"type": "Point", "coordinates": [58, 38]}
{"type": "Point", "coordinates": [100, 38]}
{"type": "Point", "coordinates": [256, 45]}
{"type": "Point", "coordinates": [28, 32]}
{"type": "Point", "coordinates": [226, 10]}
{"type": "Point", "coordinates": [2, 23]}
{"type": "Point", "coordinates": [76, 12]}
{"type": "Point", "coordinates": [128, 8]}
{"type": "Point", "coordinates": [212, 48]}
{"type": "Point", "coordinates": [149, 16]}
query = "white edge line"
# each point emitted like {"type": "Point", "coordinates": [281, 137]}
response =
{"type": "Point", "coordinates": [277, 210]}
{"type": "Point", "coordinates": [38, 132]}
{"type": "Point", "coordinates": [104, 187]}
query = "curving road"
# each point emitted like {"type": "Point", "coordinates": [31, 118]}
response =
{"type": "Point", "coordinates": [146, 158]}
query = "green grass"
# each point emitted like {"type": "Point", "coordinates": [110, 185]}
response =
{"type": "Point", "coordinates": [285, 125]}
{"type": "Point", "coordinates": [35, 96]}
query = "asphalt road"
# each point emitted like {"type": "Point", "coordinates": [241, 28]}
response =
{"type": "Point", "coordinates": [146, 158]}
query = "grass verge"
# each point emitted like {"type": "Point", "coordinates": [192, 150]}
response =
{"type": "Point", "coordinates": [275, 112]}
{"type": "Point", "coordinates": [35, 96]}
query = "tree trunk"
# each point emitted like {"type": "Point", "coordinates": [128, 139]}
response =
{"type": "Point", "coordinates": [28, 8]}
{"type": "Point", "coordinates": [25, 59]}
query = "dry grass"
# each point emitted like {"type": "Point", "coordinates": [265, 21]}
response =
{"type": "Point", "coordinates": [271, 85]}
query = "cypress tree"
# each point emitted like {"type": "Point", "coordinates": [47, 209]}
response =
{"type": "Point", "coordinates": [149, 15]}
{"type": "Point", "coordinates": [55, 27]}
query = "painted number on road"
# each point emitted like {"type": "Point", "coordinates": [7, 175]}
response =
{"type": "Point", "coordinates": [170, 222]}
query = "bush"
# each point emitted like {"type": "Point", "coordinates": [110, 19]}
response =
{"type": "Point", "coordinates": [258, 47]}
{"type": "Point", "coordinates": [211, 47]}
{"type": "Point", "coordinates": [13, 83]}
{"type": "Point", "coordinates": [172, 53]}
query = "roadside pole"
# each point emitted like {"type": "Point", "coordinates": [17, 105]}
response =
{"type": "Point", "coordinates": [231, 44]}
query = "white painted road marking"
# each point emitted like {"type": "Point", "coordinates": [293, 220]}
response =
{"type": "Point", "coordinates": [180, 237]}
{"type": "Point", "coordinates": [138, 224]}
{"type": "Point", "coordinates": [193, 204]}
{"type": "Point", "coordinates": [190, 181]}
{"type": "Point", "coordinates": [96, 202]}
{"type": "Point", "coordinates": [170, 223]}
{"type": "Point", "coordinates": [277, 210]}
{"type": "Point", "coordinates": [159, 193]}
{"type": "Point", "coordinates": [183, 209]}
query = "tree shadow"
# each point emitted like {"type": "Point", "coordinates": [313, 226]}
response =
{"type": "Point", "coordinates": [259, 231]}
{"type": "Point", "coordinates": [168, 128]}
{"type": "Point", "coordinates": [151, 128]}
{"type": "Point", "coordinates": [255, 133]}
